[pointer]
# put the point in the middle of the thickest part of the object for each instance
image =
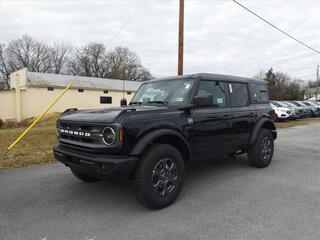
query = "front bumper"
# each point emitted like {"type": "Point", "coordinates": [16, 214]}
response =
{"type": "Point", "coordinates": [114, 167]}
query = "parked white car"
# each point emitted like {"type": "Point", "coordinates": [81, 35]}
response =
{"type": "Point", "coordinates": [293, 114]}
{"type": "Point", "coordinates": [282, 113]}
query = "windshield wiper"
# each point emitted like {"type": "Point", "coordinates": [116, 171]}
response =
{"type": "Point", "coordinates": [159, 101]}
{"type": "Point", "coordinates": [137, 103]}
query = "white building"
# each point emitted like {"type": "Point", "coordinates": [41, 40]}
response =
{"type": "Point", "coordinates": [32, 92]}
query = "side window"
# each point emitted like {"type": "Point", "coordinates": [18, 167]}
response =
{"type": "Point", "coordinates": [259, 93]}
{"type": "Point", "coordinates": [239, 94]}
{"type": "Point", "coordinates": [216, 89]}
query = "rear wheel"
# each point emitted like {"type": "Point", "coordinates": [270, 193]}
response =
{"type": "Point", "coordinates": [261, 152]}
{"type": "Point", "coordinates": [84, 177]}
{"type": "Point", "coordinates": [159, 176]}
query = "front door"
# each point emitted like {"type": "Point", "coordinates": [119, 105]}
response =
{"type": "Point", "coordinates": [212, 126]}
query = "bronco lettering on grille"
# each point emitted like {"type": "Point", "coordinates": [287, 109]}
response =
{"type": "Point", "coordinates": [75, 133]}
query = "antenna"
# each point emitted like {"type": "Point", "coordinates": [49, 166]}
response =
{"type": "Point", "coordinates": [123, 87]}
{"type": "Point", "coordinates": [123, 101]}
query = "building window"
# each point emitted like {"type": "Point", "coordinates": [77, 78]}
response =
{"type": "Point", "coordinates": [105, 91]}
{"type": "Point", "coordinates": [50, 88]}
{"type": "Point", "coordinates": [105, 100]}
{"type": "Point", "coordinates": [129, 93]}
{"type": "Point", "coordinates": [80, 90]}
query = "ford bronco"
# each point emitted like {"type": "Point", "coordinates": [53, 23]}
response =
{"type": "Point", "coordinates": [168, 123]}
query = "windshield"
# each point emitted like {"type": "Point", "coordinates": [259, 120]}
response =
{"type": "Point", "coordinates": [306, 103]}
{"type": "Point", "coordinates": [283, 104]}
{"type": "Point", "coordinates": [297, 104]}
{"type": "Point", "coordinates": [276, 104]}
{"type": "Point", "coordinates": [165, 92]}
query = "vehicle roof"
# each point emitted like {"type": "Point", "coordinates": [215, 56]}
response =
{"type": "Point", "coordinates": [212, 76]}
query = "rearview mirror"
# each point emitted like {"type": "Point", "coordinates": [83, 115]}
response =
{"type": "Point", "coordinates": [203, 101]}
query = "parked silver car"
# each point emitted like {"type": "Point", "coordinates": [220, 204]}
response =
{"type": "Point", "coordinates": [298, 109]}
{"type": "Point", "coordinates": [314, 108]}
{"type": "Point", "coordinates": [306, 109]}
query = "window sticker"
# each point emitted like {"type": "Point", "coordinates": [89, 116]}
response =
{"type": "Point", "coordinates": [230, 88]}
{"type": "Point", "coordinates": [220, 100]}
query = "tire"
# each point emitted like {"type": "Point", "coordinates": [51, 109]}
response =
{"type": "Point", "coordinates": [153, 173]}
{"type": "Point", "coordinates": [84, 177]}
{"type": "Point", "coordinates": [261, 152]}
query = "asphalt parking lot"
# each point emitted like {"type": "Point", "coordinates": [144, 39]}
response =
{"type": "Point", "coordinates": [222, 199]}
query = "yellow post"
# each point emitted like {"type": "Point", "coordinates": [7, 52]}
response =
{"type": "Point", "coordinates": [39, 117]}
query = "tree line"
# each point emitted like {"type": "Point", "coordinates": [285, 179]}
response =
{"type": "Point", "coordinates": [282, 86]}
{"type": "Point", "coordinates": [90, 60]}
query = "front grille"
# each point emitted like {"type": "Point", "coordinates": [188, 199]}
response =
{"type": "Point", "coordinates": [80, 133]}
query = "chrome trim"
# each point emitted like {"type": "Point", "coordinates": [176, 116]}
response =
{"type": "Point", "coordinates": [108, 144]}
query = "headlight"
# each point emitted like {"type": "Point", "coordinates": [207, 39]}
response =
{"type": "Point", "coordinates": [109, 136]}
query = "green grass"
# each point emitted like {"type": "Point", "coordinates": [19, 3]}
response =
{"type": "Point", "coordinates": [36, 146]}
{"type": "Point", "coordinates": [299, 122]}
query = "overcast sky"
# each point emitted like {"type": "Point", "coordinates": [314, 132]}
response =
{"type": "Point", "coordinates": [220, 37]}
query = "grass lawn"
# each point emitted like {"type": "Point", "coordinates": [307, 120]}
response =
{"type": "Point", "coordinates": [36, 146]}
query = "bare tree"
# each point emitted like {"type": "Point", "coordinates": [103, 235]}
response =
{"type": "Point", "coordinates": [35, 55]}
{"type": "Point", "coordinates": [92, 60]}
{"type": "Point", "coordinates": [27, 52]}
{"type": "Point", "coordinates": [59, 56]}
{"type": "Point", "coordinates": [4, 70]}
{"type": "Point", "coordinates": [89, 61]}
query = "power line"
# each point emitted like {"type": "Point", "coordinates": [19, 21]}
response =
{"type": "Point", "coordinates": [266, 21]}
{"type": "Point", "coordinates": [126, 23]}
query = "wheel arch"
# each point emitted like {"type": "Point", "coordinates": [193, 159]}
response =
{"type": "Point", "coordinates": [165, 136]}
{"type": "Point", "coordinates": [263, 123]}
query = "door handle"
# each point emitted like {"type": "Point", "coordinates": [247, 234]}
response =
{"type": "Point", "coordinates": [226, 117]}
{"type": "Point", "coordinates": [252, 114]}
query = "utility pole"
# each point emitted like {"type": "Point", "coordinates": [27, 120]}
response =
{"type": "Point", "coordinates": [317, 83]}
{"type": "Point", "coordinates": [181, 29]}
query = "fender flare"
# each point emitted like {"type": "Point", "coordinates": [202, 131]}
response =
{"type": "Point", "coordinates": [148, 138]}
{"type": "Point", "coordinates": [258, 126]}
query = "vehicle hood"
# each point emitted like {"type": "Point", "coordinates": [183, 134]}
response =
{"type": "Point", "coordinates": [107, 115]}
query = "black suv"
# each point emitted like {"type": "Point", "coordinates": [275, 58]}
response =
{"type": "Point", "coordinates": [168, 123]}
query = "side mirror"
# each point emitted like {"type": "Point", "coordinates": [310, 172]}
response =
{"type": "Point", "coordinates": [123, 102]}
{"type": "Point", "coordinates": [202, 101]}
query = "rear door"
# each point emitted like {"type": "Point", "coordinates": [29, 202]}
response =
{"type": "Point", "coordinates": [213, 133]}
{"type": "Point", "coordinates": [244, 114]}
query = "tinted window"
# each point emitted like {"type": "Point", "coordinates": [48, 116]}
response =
{"type": "Point", "coordinates": [174, 91]}
{"type": "Point", "coordinates": [105, 100]}
{"type": "Point", "coordinates": [214, 88]}
{"type": "Point", "coordinates": [259, 93]}
{"type": "Point", "coordinates": [239, 94]}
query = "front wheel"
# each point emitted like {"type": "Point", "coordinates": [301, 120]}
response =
{"type": "Point", "coordinates": [159, 176]}
{"type": "Point", "coordinates": [261, 152]}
